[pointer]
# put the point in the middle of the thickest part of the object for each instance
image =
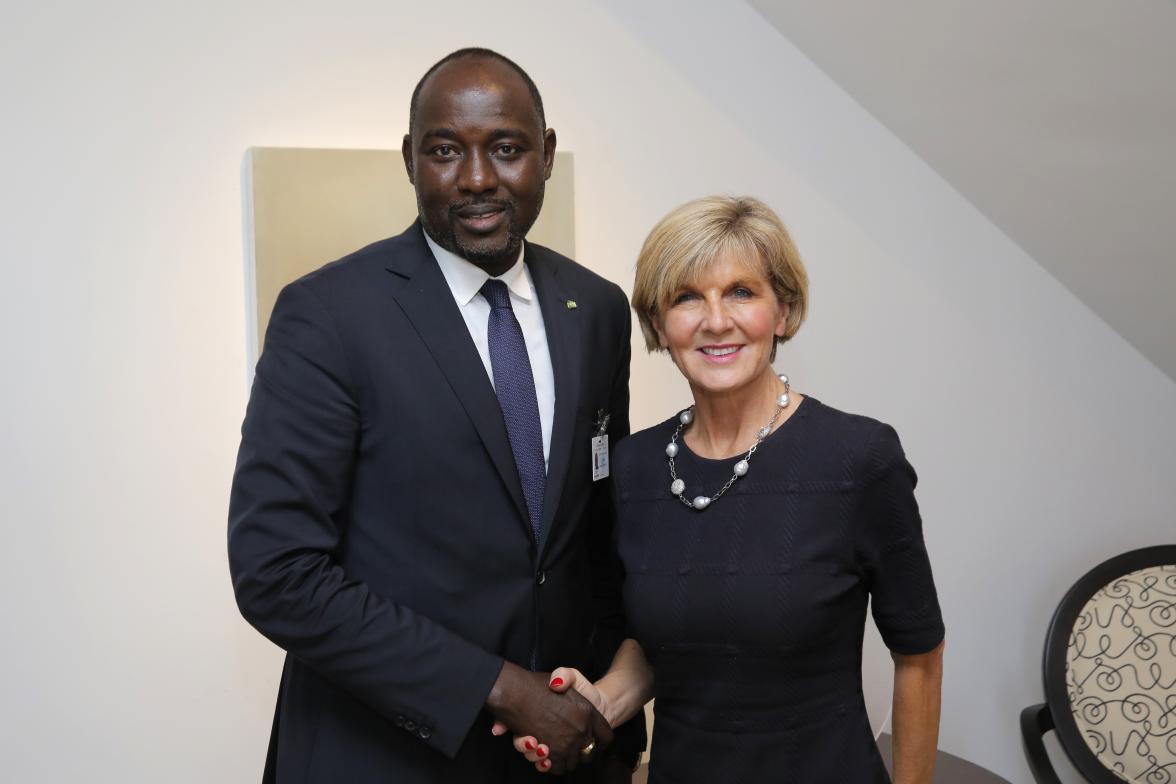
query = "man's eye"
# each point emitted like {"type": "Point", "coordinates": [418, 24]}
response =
{"type": "Point", "coordinates": [507, 149]}
{"type": "Point", "coordinates": [444, 151]}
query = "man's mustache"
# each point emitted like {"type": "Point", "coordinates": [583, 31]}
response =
{"type": "Point", "coordinates": [480, 206]}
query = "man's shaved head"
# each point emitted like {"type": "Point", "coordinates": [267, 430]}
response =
{"type": "Point", "coordinates": [475, 52]}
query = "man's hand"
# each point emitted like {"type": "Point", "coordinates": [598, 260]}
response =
{"type": "Point", "coordinates": [606, 768]}
{"type": "Point", "coordinates": [525, 704]}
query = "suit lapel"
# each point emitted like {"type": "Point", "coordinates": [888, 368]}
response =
{"type": "Point", "coordinates": [562, 324]}
{"type": "Point", "coordinates": [427, 301]}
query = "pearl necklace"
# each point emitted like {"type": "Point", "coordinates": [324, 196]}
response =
{"type": "Point", "coordinates": [678, 486]}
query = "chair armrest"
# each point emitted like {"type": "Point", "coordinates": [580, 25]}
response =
{"type": "Point", "coordinates": [1036, 720]}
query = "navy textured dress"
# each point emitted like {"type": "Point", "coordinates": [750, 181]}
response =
{"type": "Point", "coordinates": [752, 611]}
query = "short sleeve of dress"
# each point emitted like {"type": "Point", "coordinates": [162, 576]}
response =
{"type": "Point", "coordinates": [891, 551]}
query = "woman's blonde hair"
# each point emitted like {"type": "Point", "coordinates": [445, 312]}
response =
{"type": "Point", "coordinates": [688, 240]}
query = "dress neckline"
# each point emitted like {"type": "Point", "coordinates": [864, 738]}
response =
{"type": "Point", "coordinates": [801, 410]}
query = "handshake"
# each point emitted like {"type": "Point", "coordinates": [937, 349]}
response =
{"type": "Point", "coordinates": [558, 720]}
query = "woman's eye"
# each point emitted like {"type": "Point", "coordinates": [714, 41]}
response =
{"type": "Point", "coordinates": [741, 292]}
{"type": "Point", "coordinates": [684, 296]}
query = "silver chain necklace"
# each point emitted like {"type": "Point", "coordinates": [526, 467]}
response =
{"type": "Point", "coordinates": [678, 486]}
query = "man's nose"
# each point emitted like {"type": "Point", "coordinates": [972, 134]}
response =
{"type": "Point", "coordinates": [477, 173]}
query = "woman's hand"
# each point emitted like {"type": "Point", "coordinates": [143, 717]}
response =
{"type": "Point", "coordinates": [618, 696]}
{"type": "Point", "coordinates": [562, 679]}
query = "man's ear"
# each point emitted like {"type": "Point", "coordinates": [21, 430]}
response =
{"type": "Point", "coordinates": [406, 153]}
{"type": "Point", "coordinates": [548, 152]}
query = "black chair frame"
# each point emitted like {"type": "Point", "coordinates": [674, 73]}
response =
{"type": "Point", "coordinates": [1055, 713]}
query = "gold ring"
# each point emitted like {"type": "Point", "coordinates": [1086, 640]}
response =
{"type": "Point", "coordinates": [587, 750]}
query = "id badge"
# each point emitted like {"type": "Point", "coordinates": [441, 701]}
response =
{"type": "Point", "coordinates": [599, 458]}
{"type": "Point", "coordinates": [600, 446]}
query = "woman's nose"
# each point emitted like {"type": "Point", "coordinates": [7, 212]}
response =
{"type": "Point", "coordinates": [716, 315]}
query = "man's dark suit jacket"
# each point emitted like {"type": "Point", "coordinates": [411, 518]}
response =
{"type": "Point", "coordinates": [377, 526]}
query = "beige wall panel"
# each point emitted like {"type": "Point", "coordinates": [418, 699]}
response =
{"type": "Point", "coordinates": [311, 206]}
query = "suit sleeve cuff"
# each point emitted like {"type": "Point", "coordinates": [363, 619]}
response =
{"type": "Point", "coordinates": [474, 685]}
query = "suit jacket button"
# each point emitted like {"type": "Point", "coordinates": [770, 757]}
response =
{"type": "Point", "coordinates": [398, 721]}
{"type": "Point", "coordinates": [410, 725]}
{"type": "Point", "coordinates": [541, 577]}
{"type": "Point", "coordinates": [424, 733]}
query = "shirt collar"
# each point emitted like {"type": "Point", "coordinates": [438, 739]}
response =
{"type": "Point", "coordinates": [465, 278]}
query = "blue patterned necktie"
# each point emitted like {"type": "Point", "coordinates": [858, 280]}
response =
{"type": "Point", "coordinates": [515, 387]}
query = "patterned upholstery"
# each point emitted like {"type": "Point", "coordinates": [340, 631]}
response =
{"type": "Point", "coordinates": [1121, 675]}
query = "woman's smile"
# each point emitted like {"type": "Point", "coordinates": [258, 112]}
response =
{"type": "Point", "coordinates": [721, 354]}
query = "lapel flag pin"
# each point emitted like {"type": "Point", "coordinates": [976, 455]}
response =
{"type": "Point", "coordinates": [571, 303]}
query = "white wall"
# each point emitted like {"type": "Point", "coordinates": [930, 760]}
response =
{"type": "Point", "coordinates": [1042, 439]}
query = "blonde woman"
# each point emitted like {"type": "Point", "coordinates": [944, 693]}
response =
{"type": "Point", "coordinates": [753, 527]}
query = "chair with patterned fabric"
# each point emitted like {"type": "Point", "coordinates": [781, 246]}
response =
{"type": "Point", "coordinates": [1110, 674]}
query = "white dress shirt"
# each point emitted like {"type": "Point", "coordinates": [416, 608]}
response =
{"type": "Point", "coordinates": [465, 281]}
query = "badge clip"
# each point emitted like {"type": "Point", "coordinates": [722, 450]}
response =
{"type": "Point", "coordinates": [601, 425]}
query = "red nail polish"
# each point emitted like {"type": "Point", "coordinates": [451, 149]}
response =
{"type": "Point", "coordinates": [557, 682]}
{"type": "Point", "coordinates": [530, 745]}
{"type": "Point", "coordinates": [541, 752]}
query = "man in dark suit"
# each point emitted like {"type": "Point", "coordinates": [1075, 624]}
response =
{"type": "Point", "coordinates": [419, 514]}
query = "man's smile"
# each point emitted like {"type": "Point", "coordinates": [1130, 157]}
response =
{"type": "Point", "coordinates": [481, 218]}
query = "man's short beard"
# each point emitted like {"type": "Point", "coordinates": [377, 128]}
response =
{"type": "Point", "coordinates": [446, 237]}
{"type": "Point", "coordinates": [484, 255]}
